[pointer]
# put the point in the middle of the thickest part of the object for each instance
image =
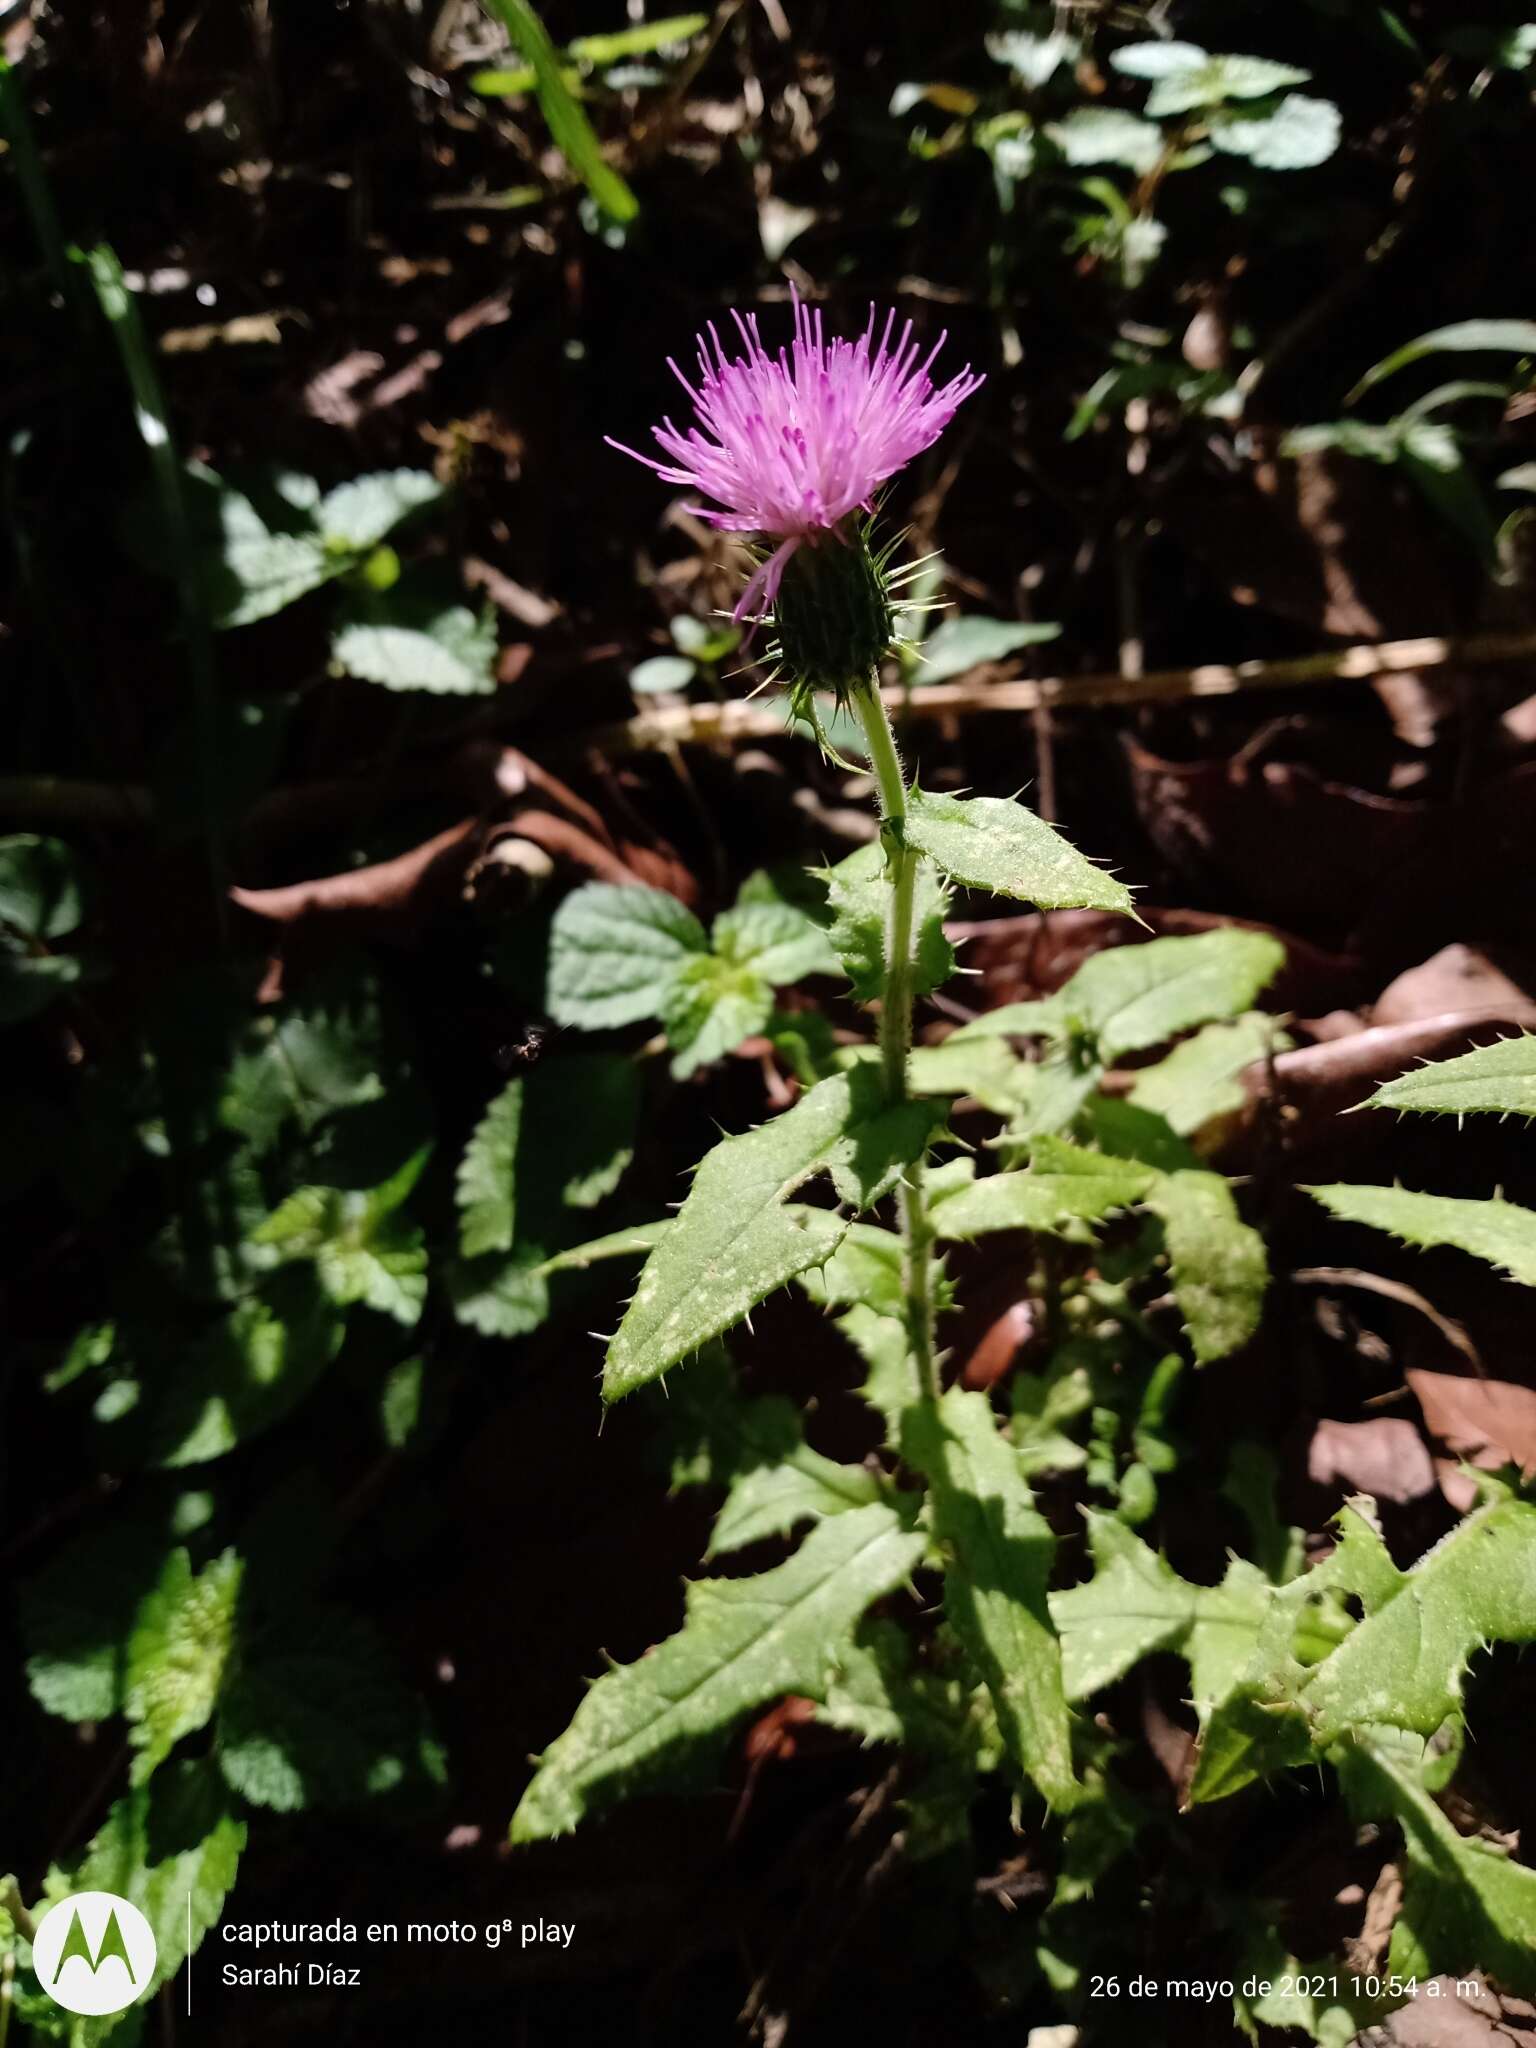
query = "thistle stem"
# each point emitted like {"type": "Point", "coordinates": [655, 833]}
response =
{"type": "Point", "coordinates": [896, 1024]}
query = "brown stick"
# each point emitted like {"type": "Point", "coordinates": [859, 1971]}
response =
{"type": "Point", "coordinates": [747, 719]}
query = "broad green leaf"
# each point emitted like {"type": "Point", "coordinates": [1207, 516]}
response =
{"type": "Point", "coordinates": [1297, 135]}
{"type": "Point", "coordinates": [486, 1189]}
{"type": "Point", "coordinates": [1063, 1184]}
{"type": "Point", "coordinates": [363, 1249]}
{"type": "Point", "coordinates": [735, 1241]}
{"type": "Point", "coordinates": [501, 1296]}
{"type": "Point", "coordinates": [1466, 1904]}
{"type": "Point", "coordinates": [988, 842]}
{"type": "Point", "coordinates": [1215, 79]}
{"type": "Point", "coordinates": [246, 568]}
{"type": "Point", "coordinates": [316, 1715]}
{"type": "Point", "coordinates": [709, 1006]}
{"type": "Point", "coordinates": [1129, 997]}
{"type": "Point", "coordinates": [1495, 1230]}
{"type": "Point", "coordinates": [1219, 1269]}
{"type": "Point", "coordinates": [356, 516]}
{"type": "Point", "coordinates": [778, 940]}
{"type": "Point", "coordinates": [964, 641]}
{"type": "Point", "coordinates": [1040, 1406]}
{"type": "Point", "coordinates": [182, 1641]}
{"type": "Point", "coordinates": [999, 1550]}
{"type": "Point", "coordinates": [1405, 1662]}
{"type": "Point", "coordinates": [858, 899]}
{"type": "Point", "coordinates": [248, 1371]}
{"type": "Point", "coordinates": [76, 1616]}
{"type": "Point", "coordinates": [662, 674]}
{"type": "Point", "coordinates": [757, 1451]}
{"type": "Point", "coordinates": [1136, 1603]}
{"type": "Point", "coordinates": [1199, 1080]}
{"type": "Point", "coordinates": [1030, 57]}
{"type": "Point", "coordinates": [1462, 337]}
{"type": "Point", "coordinates": [568, 125]}
{"type": "Point", "coordinates": [613, 953]}
{"type": "Point", "coordinates": [866, 1267]}
{"type": "Point", "coordinates": [986, 1068]}
{"type": "Point", "coordinates": [414, 643]}
{"type": "Point", "coordinates": [1108, 135]}
{"type": "Point", "coordinates": [1158, 59]}
{"type": "Point", "coordinates": [880, 1692]}
{"type": "Point", "coordinates": [40, 893]}
{"type": "Point", "coordinates": [1040, 1018]}
{"type": "Point", "coordinates": [664, 1720]}
{"type": "Point", "coordinates": [172, 1848]}
{"type": "Point", "coordinates": [1500, 1077]}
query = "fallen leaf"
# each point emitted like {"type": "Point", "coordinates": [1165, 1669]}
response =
{"type": "Point", "coordinates": [1474, 1415]}
{"type": "Point", "coordinates": [1385, 1457]}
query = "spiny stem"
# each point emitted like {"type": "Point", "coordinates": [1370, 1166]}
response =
{"type": "Point", "coordinates": [896, 1023]}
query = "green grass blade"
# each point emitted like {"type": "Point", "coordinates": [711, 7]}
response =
{"type": "Point", "coordinates": [568, 125]}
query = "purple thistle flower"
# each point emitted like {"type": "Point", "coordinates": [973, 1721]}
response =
{"type": "Point", "coordinates": [791, 444]}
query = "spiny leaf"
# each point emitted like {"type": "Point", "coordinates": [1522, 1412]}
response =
{"type": "Point", "coordinates": [1064, 1183]}
{"type": "Point", "coordinates": [1500, 1077]}
{"type": "Point", "coordinates": [1405, 1662]}
{"type": "Point", "coordinates": [756, 1450]}
{"type": "Point", "coordinates": [1465, 1903]}
{"type": "Point", "coordinates": [1000, 1550]}
{"type": "Point", "coordinates": [735, 1241]}
{"type": "Point", "coordinates": [665, 1720]}
{"type": "Point", "coordinates": [858, 901]}
{"type": "Point", "coordinates": [991, 843]}
{"type": "Point", "coordinates": [613, 950]}
{"type": "Point", "coordinates": [1136, 1603]}
{"type": "Point", "coordinates": [1500, 1232]}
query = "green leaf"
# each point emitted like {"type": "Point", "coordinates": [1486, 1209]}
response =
{"type": "Point", "coordinates": [362, 1248]}
{"type": "Point", "coordinates": [1135, 1603]}
{"type": "Point", "coordinates": [408, 642]}
{"type": "Point", "coordinates": [1108, 135]}
{"type": "Point", "coordinates": [568, 125]}
{"type": "Point", "coordinates": [502, 1297]}
{"type": "Point", "coordinates": [757, 1451]}
{"type": "Point", "coordinates": [356, 516]}
{"type": "Point", "coordinates": [709, 1006]}
{"type": "Point", "coordinates": [317, 1716]}
{"type": "Point", "coordinates": [598, 52]}
{"type": "Point", "coordinates": [779, 940]}
{"type": "Point", "coordinates": [613, 953]}
{"type": "Point", "coordinates": [1220, 1272]}
{"type": "Point", "coordinates": [76, 1616]}
{"type": "Point", "coordinates": [1500, 1077]}
{"type": "Point", "coordinates": [40, 893]}
{"type": "Point", "coordinates": [1158, 60]}
{"type": "Point", "coordinates": [999, 1550]}
{"type": "Point", "coordinates": [1405, 1662]}
{"type": "Point", "coordinates": [986, 1068]}
{"type": "Point", "coordinates": [1200, 1079]}
{"type": "Point", "coordinates": [1129, 997]}
{"type": "Point", "coordinates": [1297, 135]}
{"type": "Point", "coordinates": [1498, 1231]}
{"type": "Point", "coordinates": [181, 1643]}
{"type": "Point", "coordinates": [662, 673]}
{"type": "Point", "coordinates": [1466, 1905]}
{"type": "Point", "coordinates": [1215, 79]}
{"type": "Point", "coordinates": [964, 641]}
{"type": "Point", "coordinates": [1064, 1184]}
{"type": "Point", "coordinates": [1462, 337]}
{"type": "Point", "coordinates": [486, 1189]}
{"type": "Point", "coordinates": [988, 842]}
{"type": "Point", "coordinates": [664, 1721]}
{"type": "Point", "coordinates": [735, 1241]}
{"type": "Point", "coordinates": [250, 1370]}
{"type": "Point", "coordinates": [858, 897]}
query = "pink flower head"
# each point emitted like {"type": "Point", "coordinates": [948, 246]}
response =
{"type": "Point", "coordinates": [789, 445]}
